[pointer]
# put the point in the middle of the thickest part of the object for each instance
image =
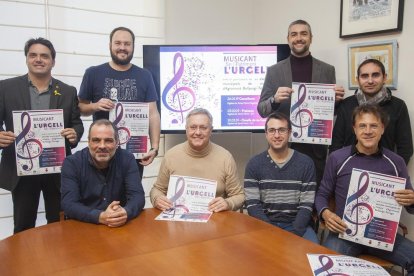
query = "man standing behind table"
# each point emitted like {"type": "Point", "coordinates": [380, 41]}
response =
{"type": "Point", "coordinates": [99, 183]}
{"type": "Point", "coordinates": [300, 66]}
{"type": "Point", "coordinates": [279, 183]}
{"type": "Point", "coordinates": [199, 157]}
{"type": "Point", "coordinates": [36, 90]}
{"type": "Point", "coordinates": [369, 122]}
{"type": "Point", "coordinates": [120, 80]}
{"type": "Point", "coordinates": [371, 78]}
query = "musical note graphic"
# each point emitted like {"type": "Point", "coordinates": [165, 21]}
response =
{"type": "Point", "coordinates": [178, 192]}
{"type": "Point", "coordinates": [123, 133]}
{"type": "Point", "coordinates": [302, 117]}
{"type": "Point", "coordinates": [182, 98]}
{"type": "Point", "coordinates": [326, 266]}
{"type": "Point", "coordinates": [30, 148]}
{"type": "Point", "coordinates": [358, 206]}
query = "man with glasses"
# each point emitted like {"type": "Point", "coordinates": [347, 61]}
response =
{"type": "Point", "coordinates": [371, 78]}
{"type": "Point", "coordinates": [279, 183]}
{"type": "Point", "coordinates": [199, 157]}
{"type": "Point", "coordinates": [99, 183]}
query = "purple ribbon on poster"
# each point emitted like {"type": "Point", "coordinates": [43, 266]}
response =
{"type": "Point", "coordinates": [178, 192]}
{"type": "Point", "coordinates": [363, 182]}
{"type": "Point", "coordinates": [180, 102]}
{"type": "Point", "coordinates": [119, 114]}
{"type": "Point", "coordinates": [326, 266]}
{"type": "Point", "coordinates": [32, 147]}
{"type": "Point", "coordinates": [300, 111]}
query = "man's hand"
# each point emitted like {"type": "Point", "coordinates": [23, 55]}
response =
{"type": "Point", "coordinates": [6, 138]}
{"type": "Point", "coordinates": [104, 104]}
{"type": "Point", "coordinates": [114, 215]}
{"type": "Point", "coordinates": [218, 204]}
{"type": "Point", "coordinates": [282, 94]}
{"type": "Point", "coordinates": [70, 134]}
{"type": "Point", "coordinates": [404, 197]}
{"type": "Point", "coordinates": [149, 157]}
{"type": "Point", "coordinates": [333, 222]}
{"type": "Point", "coordinates": [163, 203]}
{"type": "Point", "coordinates": [339, 93]}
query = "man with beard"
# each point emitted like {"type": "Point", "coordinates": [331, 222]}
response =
{"type": "Point", "coordinates": [279, 183]}
{"type": "Point", "coordinates": [371, 78]}
{"type": "Point", "coordinates": [120, 80]}
{"type": "Point", "coordinates": [300, 66]}
{"type": "Point", "coordinates": [99, 183]}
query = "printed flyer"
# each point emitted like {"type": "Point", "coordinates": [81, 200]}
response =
{"type": "Point", "coordinates": [325, 265]}
{"type": "Point", "coordinates": [40, 148]}
{"type": "Point", "coordinates": [190, 197]}
{"type": "Point", "coordinates": [312, 113]}
{"type": "Point", "coordinates": [132, 122]}
{"type": "Point", "coordinates": [371, 211]}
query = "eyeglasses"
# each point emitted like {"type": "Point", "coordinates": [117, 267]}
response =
{"type": "Point", "coordinates": [280, 131]}
{"type": "Point", "coordinates": [194, 128]}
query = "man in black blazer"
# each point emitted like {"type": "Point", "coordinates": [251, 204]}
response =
{"type": "Point", "coordinates": [36, 90]}
{"type": "Point", "coordinates": [300, 66]}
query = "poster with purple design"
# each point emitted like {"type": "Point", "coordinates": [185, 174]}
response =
{"type": "Point", "coordinates": [312, 113]}
{"type": "Point", "coordinates": [190, 197]}
{"type": "Point", "coordinates": [132, 121]}
{"type": "Point", "coordinates": [341, 265]}
{"type": "Point", "coordinates": [371, 211]}
{"type": "Point", "coordinates": [226, 80]}
{"type": "Point", "coordinates": [40, 148]}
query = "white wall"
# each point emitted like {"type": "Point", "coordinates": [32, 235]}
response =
{"type": "Point", "coordinates": [79, 31]}
{"type": "Point", "coordinates": [266, 21]}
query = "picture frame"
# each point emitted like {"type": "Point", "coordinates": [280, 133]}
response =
{"type": "Point", "coordinates": [384, 51]}
{"type": "Point", "coordinates": [366, 17]}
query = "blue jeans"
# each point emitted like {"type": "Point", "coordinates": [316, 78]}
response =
{"type": "Point", "coordinates": [402, 255]}
{"type": "Point", "coordinates": [310, 235]}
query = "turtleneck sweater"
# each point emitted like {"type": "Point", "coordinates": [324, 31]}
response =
{"type": "Point", "coordinates": [213, 162]}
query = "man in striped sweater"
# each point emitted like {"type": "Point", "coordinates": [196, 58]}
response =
{"type": "Point", "coordinates": [279, 183]}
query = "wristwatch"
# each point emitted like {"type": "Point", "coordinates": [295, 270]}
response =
{"type": "Point", "coordinates": [272, 100]}
{"type": "Point", "coordinates": [154, 149]}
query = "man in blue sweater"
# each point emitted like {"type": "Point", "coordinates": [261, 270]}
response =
{"type": "Point", "coordinates": [279, 183]}
{"type": "Point", "coordinates": [369, 122]}
{"type": "Point", "coordinates": [101, 183]}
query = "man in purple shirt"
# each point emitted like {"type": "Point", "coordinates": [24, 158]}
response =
{"type": "Point", "coordinates": [369, 122]}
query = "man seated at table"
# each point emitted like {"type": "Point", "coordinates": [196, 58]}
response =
{"type": "Point", "coordinates": [279, 183]}
{"type": "Point", "coordinates": [199, 157]}
{"type": "Point", "coordinates": [369, 122]}
{"type": "Point", "coordinates": [99, 183]}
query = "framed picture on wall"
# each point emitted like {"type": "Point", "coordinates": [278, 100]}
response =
{"type": "Point", "coordinates": [385, 51]}
{"type": "Point", "coordinates": [363, 17]}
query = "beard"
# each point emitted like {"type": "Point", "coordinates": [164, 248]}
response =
{"type": "Point", "coordinates": [119, 61]}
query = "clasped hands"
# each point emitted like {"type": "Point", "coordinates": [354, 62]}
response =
{"type": "Point", "coordinates": [114, 215]}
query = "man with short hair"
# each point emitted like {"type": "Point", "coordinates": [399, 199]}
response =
{"type": "Point", "coordinates": [300, 66]}
{"type": "Point", "coordinates": [120, 80]}
{"type": "Point", "coordinates": [371, 78]}
{"type": "Point", "coordinates": [99, 183]}
{"type": "Point", "coordinates": [369, 122]}
{"type": "Point", "coordinates": [199, 157]}
{"type": "Point", "coordinates": [37, 90]}
{"type": "Point", "coordinates": [279, 183]}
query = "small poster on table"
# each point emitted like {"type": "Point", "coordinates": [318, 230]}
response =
{"type": "Point", "coordinates": [312, 113]}
{"type": "Point", "coordinates": [190, 197]}
{"type": "Point", "coordinates": [371, 211]}
{"type": "Point", "coordinates": [132, 121]}
{"type": "Point", "coordinates": [40, 148]}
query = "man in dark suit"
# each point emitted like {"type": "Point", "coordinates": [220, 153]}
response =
{"type": "Point", "coordinates": [36, 90]}
{"type": "Point", "coordinates": [300, 66]}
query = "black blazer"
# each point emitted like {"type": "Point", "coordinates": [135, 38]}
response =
{"type": "Point", "coordinates": [14, 95]}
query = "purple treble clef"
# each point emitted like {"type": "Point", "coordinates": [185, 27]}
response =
{"type": "Point", "coordinates": [119, 114]}
{"type": "Point", "coordinates": [326, 266]}
{"type": "Point", "coordinates": [300, 111]}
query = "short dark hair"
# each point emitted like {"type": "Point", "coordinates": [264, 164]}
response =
{"type": "Point", "coordinates": [122, 29]}
{"type": "Point", "coordinates": [300, 22]}
{"type": "Point", "coordinates": [278, 116]}
{"type": "Point", "coordinates": [373, 109]}
{"type": "Point", "coordinates": [374, 61]}
{"type": "Point", "coordinates": [40, 40]}
{"type": "Point", "coordinates": [104, 122]}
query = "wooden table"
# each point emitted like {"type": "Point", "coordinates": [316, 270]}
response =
{"type": "Point", "coordinates": [231, 243]}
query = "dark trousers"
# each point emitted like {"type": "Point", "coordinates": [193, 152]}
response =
{"type": "Point", "coordinates": [26, 197]}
